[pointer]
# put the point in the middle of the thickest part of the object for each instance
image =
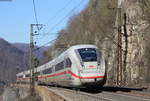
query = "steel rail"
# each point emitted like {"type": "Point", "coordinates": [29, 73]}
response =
{"type": "Point", "coordinates": [98, 96]}
{"type": "Point", "coordinates": [85, 95]}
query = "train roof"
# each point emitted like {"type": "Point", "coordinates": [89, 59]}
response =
{"type": "Point", "coordinates": [62, 54]}
{"type": "Point", "coordinates": [19, 74]}
{"type": "Point", "coordinates": [42, 67]}
{"type": "Point", "coordinates": [82, 46]}
{"type": "Point", "coordinates": [74, 48]}
{"type": "Point", "coordinates": [77, 47]}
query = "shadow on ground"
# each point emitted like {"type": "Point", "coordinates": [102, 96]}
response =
{"type": "Point", "coordinates": [109, 89]}
{"type": "Point", "coordinates": [95, 90]}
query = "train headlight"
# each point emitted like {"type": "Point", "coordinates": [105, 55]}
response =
{"type": "Point", "coordinates": [98, 63]}
{"type": "Point", "coordinates": [82, 64]}
{"type": "Point", "coordinates": [81, 71]}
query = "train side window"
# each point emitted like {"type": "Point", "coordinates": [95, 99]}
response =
{"type": "Point", "coordinates": [68, 63]}
{"type": "Point", "coordinates": [47, 71]}
{"type": "Point", "coordinates": [37, 73]}
{"type": "Point", "coordinates": [20, 76]}
{"type": "Point", "coordinates": [59, 66]}
{"type": "Point", "coordinates": [27, 75]}
{"type": "Point", "coordinates": [43, 72]}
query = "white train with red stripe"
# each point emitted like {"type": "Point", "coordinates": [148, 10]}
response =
{"type": "Point", "coordinates": [80, 65]}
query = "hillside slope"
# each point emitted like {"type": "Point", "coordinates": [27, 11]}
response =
{"type": "Point", "coordinates": [26, 49]}
{"type": "Point", "coordinates": [11, 58]}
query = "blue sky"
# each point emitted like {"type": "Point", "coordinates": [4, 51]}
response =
{"type": "Point", "coordinates": [17, 15]}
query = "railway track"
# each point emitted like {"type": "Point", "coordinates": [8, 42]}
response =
{"type": "Point", "coordinates": [74, 95]}
{"type": "Point", "coordinates": [136, 93]}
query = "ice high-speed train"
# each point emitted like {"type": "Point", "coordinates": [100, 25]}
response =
{"type": "Point", "coordinates": [80, 65]}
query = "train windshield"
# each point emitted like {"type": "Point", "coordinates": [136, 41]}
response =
{"type": "Point", "coordinates": [88, 54]}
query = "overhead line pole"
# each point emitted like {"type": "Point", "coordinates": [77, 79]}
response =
{"type": "Point", "coordinates": [119, 51]}
{"type": "Point", "coordinates": [119, 67]}
{"type": "Point", "coordinates": [32, 58]}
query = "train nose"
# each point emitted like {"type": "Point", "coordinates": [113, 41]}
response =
{"type": "Point", "coordinates": [91, 82]}
{"type": "Point", "coordinates": [91, 76]}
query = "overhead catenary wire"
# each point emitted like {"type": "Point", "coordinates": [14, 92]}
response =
{"type": "Point", "coordinates": [55, 15]}
{"type": "Point", "coordinates": [59, 11]}
{"type": "Point", "coordinates": [35, 15]}
{"type": "Point", "coordinates": [42, 36]}
{"type": "Point", "coordinates": [64, 7]}
{"type": "Point", "coordinates": [78, 5]}
{"type": "Point", "coordinates": [114, 42]}
{"type": "Point", "coordinates": [45, 44]}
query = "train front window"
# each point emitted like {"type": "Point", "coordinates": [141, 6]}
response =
{"type": "Point", "coordinates": [88, 54]}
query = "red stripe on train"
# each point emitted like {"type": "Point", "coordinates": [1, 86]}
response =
{"type": "Point", "coordinates": [65, 72]}
{"type": "Point", "coordinates": [86, 77]}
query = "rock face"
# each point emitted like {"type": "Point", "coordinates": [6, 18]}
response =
{"type": "Point", "coordinates": [9, 94]}
{"type": "Point", "coordinates": [19, 94]}
{"type": "Point", "coordinates": [136, 25]}
{"type": "Point", "coordinates": [135, 68]}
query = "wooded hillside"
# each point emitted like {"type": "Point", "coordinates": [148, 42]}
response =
{"type": "Point", "coordinates": [93, 25]}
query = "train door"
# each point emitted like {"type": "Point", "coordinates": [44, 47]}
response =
{"type": "Point", "coordinates": [40, 75]}
{"type": "Point", "coordinates": [67, 66]}
{"type": "Point", "coordinates": [53, 70]}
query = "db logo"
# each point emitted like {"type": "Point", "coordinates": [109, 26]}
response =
{"type": "Point", "coordinates": [91, 66]}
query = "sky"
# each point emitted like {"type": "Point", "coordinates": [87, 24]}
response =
{"type": "Point", "coordinates": [17, 15]}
